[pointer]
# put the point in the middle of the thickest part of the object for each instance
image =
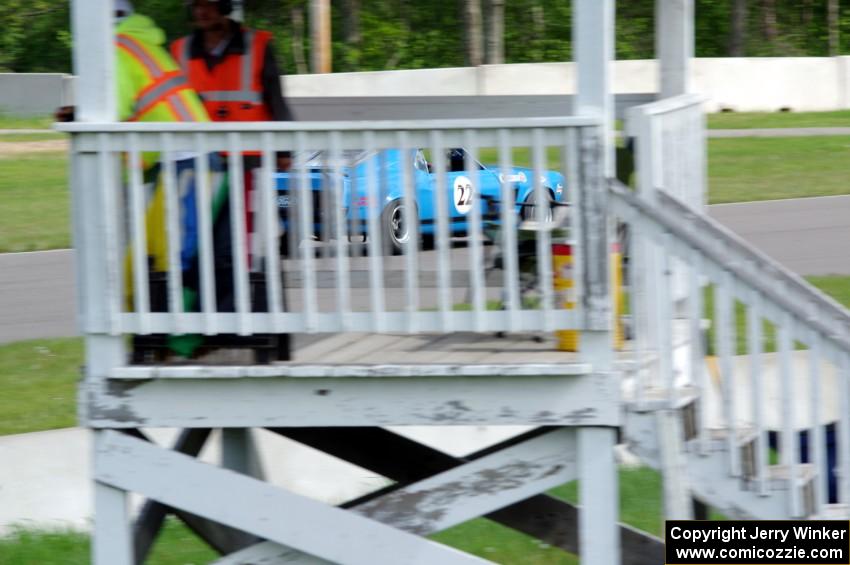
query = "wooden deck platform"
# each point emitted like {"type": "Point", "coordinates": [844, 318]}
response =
{"type": "Point", "coordinates": [374, 355]}
{"type": "Point", "coordinates": [364, 379]}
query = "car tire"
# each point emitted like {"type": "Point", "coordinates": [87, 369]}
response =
{"type": "Point", "coordinates": [528, 210]}
{"type": "Point", "coordinates": [395, 236]}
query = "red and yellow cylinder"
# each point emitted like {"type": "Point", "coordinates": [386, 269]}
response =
{"type": "Point", "coordinates": [564, 287]}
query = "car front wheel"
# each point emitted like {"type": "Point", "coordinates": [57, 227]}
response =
{"type": "Point", "coordinates": [529, 208]}
{"type": "Point", "coordinates": [395, 233]}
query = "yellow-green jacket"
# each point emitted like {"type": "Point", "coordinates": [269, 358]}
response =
{"type": "Point", "coordinates": [151, 86]}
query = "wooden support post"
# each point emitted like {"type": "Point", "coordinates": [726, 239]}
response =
{"type": "Point", "coordinates": [593, 41]}
{"type": "Point", "coordinates": [701, 509]}
{"type": "Point", "coordinates": [599, 496]}
{"type": "Point", "coordinates": [674, 45]}
{"type": "Point", "coordinates": [112, 543]}
{"type": "Point", "coordinates": [320, 35]}
{"type": "Point", "coordinates": [239, 452]}
{"type": "Point", "coordinates": [152, 515]}
{"type": "Point", "coordinates": [593, 38]}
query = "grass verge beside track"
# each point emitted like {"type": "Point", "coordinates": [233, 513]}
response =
{"type": "Point", "coordinates": [38, 379]}
{"type": "Point", "coordinates": [25, 122]}
{"type": "Point", "coordinates": [749, 169]}
{"type": "Point", "coordinates": [25, 137]}
{"type": "Point", "coordinates": [751, 120]}
{"type": "Point", "coordinates": [34, 202]}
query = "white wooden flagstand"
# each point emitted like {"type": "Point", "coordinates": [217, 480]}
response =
{"type": "Point", "coordinates": [338, 407]}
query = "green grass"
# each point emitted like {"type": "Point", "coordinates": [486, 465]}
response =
{"type": "Point", "coordinates": [176, 546]}
{"type": "Point", "coordinates": [749, 169]}
{"type": "Point", "coordinates": [24, 137]}
{"type": "Point", "coordinates": [34, 195]}
{"type": "Point", "coordinates": [39, 383]}
{"type": "Point", "coordinates": [640, 507]}
{"type": "Point", "coordinates": [749, 120]}
{"type": "Point", "coordinates": [25, 122]}
{"type": "Point", "coordinates": [838, 287]}
{"type": "Point", "coordinates": [835, 286]}
{"type": "Point", "coordinates": [34, 202]}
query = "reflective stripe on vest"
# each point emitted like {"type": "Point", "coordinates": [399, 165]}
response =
{"type": "Point", "coordinates": [232, 89]}
{"type": "Point", "coordinates": [139, 53]}
{"type": "Point", "coordinates": [186, 53]}
{"type": "Point", "coordinates": [160, 89]}
{"type": "Point", "coordinates": [248, 63]}
{"type": "Point", "coordinates": [166, 85]}
{"type": "Point", "coordinates": [246, 92]}
{"type": "Point", "coordinates": [232, 96]}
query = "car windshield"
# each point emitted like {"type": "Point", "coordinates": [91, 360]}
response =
{"type": "Point", "coordinates": [322, 159]}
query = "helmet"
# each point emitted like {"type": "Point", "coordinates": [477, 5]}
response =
{"type": "Point", "coordinates": [123, 7]}
{"type": "Point", "coordinates": [224, 6]}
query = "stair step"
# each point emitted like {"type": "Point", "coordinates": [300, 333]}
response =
{"type": "Point", "coordinates": [716, 439]}
{"type": "Point", "coordinates": [656, 398]}
{"type": "Point", "coordinates": [833, 512]}
{"type": "Point", "coordinates": [778, 476]}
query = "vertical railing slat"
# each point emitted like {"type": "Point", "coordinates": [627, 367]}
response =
{"type": "Point", "coordinates": [508, 218]}
{"type": "Point", "coordinates": [172, 228]}
{"type": "Point", "coordinates": [441, 235]}
{"type": "Point", "coordinates": [204, 202]}
{"type": "Point", "coordinates": [842, 368]}
{"type": "Point", "coordinates": [343, 279]}
{"type": "Point", "coordinates": [476, 254]}
{"type": "Point", "coordinates": [410, 216]}
{"type": "Point", "coordinates": [141, 294]}
{"type": "Point", "coordinates": [238, 237]}
{"type": "Point", "coordinates": [790, 443]}
{"type": "Point", "coordinates": [374, 239]}
{"type": "Point", "coordinates": [306, 225]}
{"type": "Point", "coordinates": [697, 353]}
{"type": "Point", "coordinates": [271, 233]}
{"type": "Point", "coordinates": [817, 431]}
{"type": "Point", "coordinates": [726, 339]}
{"type": "Point", "coordinates": [755, 348]}
{"type": "Point", "coordinates": [663, 320]}
{"type": "Point", "coordinates": [544, 236]}
{"type": "Point", "coordinates": [112, 238]}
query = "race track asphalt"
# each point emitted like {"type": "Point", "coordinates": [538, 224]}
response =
{"type": "Point", "coordinates": [810, 236]}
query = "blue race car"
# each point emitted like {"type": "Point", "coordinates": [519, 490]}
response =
{"type": "Point", "coordinates": [388, 173]}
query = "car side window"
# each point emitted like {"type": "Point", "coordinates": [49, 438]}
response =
{"type": "Point", "coordinates": [420, 162]}
{"type": "Point", "coordinates": [457, 160]}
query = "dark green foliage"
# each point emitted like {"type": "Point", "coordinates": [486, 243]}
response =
{"type": "Point", "coordinates": [410, 34]}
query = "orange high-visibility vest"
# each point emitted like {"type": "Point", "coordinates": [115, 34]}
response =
{"type": "Point", "coordinates": [232, 91]}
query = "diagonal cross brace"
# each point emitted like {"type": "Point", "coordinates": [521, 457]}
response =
{"type": "Point", "coordinates": [436, 503]}
{"type": "Point", "coordinates": [152, 514]}
{"type": "Point", "coordinates": [542, 516]}
{"type": "Point", "coordinates": [242, 502]}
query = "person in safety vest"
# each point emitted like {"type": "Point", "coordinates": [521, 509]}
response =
{"type": "Point", "coordinates": [232, 68]}
{"type": "Point", "coordinates": [235, 73]}
{"type": "Point", "coordinates": [151, 87]}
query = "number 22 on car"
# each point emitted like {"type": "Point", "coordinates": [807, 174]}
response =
{"type": "Point", "coordinates": [463, 193]}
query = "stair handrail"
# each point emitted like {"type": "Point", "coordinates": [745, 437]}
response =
{"type": "Point", "coordinates": [766, 275]}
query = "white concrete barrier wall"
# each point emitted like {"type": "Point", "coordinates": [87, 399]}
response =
{"type": "Point", "coordinates": [33, 93]}
{"type": "Point", "coordinates": [740, 84]}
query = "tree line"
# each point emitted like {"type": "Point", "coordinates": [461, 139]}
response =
{"type": "Point", "coordinates": [409, 34]}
